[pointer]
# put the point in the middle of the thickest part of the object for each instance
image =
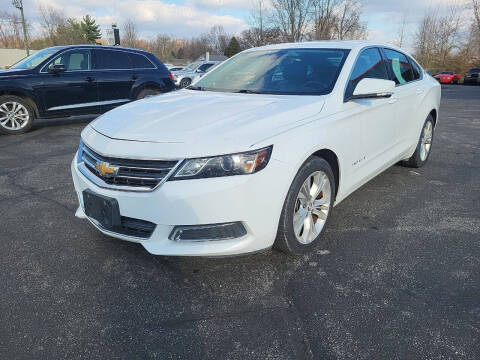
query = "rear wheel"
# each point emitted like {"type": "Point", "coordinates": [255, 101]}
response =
{"type": "Point", "coordinates": [307, 208]}
{"type": "Point", "coordinates": [147, 93]}
{"type": "Point", "coordinates": [422, 152]}
{"type": "Point", "coordinates": [16, 115]}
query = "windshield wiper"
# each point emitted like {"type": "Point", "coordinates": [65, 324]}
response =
{"type": "Point", "coordinates": [191, 87]}
{"type": "Point", "coordinates": [245, 91]}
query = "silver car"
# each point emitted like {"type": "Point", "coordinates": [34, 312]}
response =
{"type": "Point", "coordinates": [192, 72]}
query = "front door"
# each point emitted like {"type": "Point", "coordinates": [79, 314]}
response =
{"type": "Point", "coordinates": [70, 92]}
{"type": "Point", "coordinates": [368, 123]}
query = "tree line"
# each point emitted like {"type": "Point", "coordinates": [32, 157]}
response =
{"type": "Point", "coordinates": [440, 41]}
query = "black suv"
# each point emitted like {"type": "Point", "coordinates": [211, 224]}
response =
{"type": "Point", "coordinates": [77, 80]}
{"type": "Point", "coordinates": [472, 77]}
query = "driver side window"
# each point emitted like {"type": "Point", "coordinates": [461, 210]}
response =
{"type": "Point", "coordinates": [369, 65]}
{"type": "Point", "coordinates": [75, 60]}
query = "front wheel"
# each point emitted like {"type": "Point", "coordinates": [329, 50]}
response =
{"type": "Point", "coordinates": [185, 82]}
{"type": "Point", "coordinates": [307, 208]}
{"type": "Point", "coordinates": [422, 152]}
{"type": "Point", "coordinates": [16, 115]}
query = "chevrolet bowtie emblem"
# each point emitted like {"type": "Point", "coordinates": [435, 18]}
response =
{"type": "Point", "coordinates": [105, 169]}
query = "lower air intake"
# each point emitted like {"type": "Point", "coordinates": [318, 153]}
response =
{"type": "Point", "coordinates": [211, 232]}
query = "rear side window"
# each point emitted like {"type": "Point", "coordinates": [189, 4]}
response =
{"type": "Point", "coordinates": [417, 71]}
{"type": "Point", "coordinates": [205, 67]}
{"type": "Point", "coordinates": [140, 61]}
{"type": "Point", "coordinates": [369, 65]}
{"type": "Point", "coordinates": [399, 66]}
{"type": "Point", "coordinates": [112, 60]}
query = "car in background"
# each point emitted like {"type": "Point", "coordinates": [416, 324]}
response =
{"type": "Point", "coordinates": [192, 72]}
{"type": "Point", "coordinates": [77, 80]}
{"type": "Point", "coordinates": [258, 151]}
{"type": "Point", "coordinates": [176, 68]}
{"type": "Point", "coordinates": [472, 77]}
{"type": "Point", "coordinates": [448, 77]}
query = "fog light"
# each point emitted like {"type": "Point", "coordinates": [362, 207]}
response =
{"type": "Point", "coordinates": [211, 232]}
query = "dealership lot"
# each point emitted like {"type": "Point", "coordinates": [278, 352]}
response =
{"type": "Point", "coordinates": [396, 277]}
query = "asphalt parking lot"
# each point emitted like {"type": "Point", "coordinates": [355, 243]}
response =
{"type": "Point", "coordinates": [397, 276]}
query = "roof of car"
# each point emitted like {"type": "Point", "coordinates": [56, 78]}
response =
{"type": "Point", "coordinates": [98, 47]}
{"type": "Point", "coordinates": [328, 44]}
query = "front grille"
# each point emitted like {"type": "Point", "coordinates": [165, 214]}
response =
{"type": "Point", "coordinates": [140, 174]}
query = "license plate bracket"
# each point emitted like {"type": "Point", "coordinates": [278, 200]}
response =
{"type": "Point", "coordinates": [103, 209]}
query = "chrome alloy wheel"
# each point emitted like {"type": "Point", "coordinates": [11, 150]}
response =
{"type": "Point", "coordinates": [13, 115]}
{"type": "Point", "coordinates": [426, 141]}
{"type": "Point", "coordinates": [311, 207]}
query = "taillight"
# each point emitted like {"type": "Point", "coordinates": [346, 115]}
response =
{"type": "Point", "coordinates": [170, 75]}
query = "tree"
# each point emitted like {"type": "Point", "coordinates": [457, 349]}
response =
{"type": "Point", "coordinates": [232, 48]}
{"type": "Point", "coordinates": [348, 24]}
{"type": "Point", "coordinates": [90, 29]}
{"type": "Point", "coordinates": [292, 17]}
{"type": "Point", "coordinates": [129, 38]}
{"type": "Point", "coordinates": [257, 19]}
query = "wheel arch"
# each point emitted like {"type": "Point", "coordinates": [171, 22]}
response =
{"type": "Point", "coordinates": [25, 97]}
{"type": "Point", "coordinates": [434, 114]}
{"type": "Point", "coordinates": [332, 159]}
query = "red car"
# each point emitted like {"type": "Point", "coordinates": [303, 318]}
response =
{"type": "Point", "coordinates": [448, 77]}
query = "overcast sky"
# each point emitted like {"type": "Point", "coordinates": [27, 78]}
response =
{"type": "Point", "coordinates": [186, 18]}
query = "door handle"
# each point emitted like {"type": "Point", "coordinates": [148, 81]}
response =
{"type": "Point", "coordinates": [134, 77]}
{"type": "Point", "coordinates": [89, 79]}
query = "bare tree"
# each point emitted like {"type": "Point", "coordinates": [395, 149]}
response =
{"type": "Point", "coordinates": [292, 17]}
{"type": "Point", "coordinates": [129, 36]}
{"type": "Point", "coordinates": [217, 39]}
{"type": "Point", "coordinates": [349, 24]}
{"type": "Point", "coordinates": [324, 18]}
{"type": "Point", "coordinates": [402, 31]}
{"type": "Point", "coordinates": [258, 19]}
{"type": "Point", "coordinates": [10, 30]}
{"type": "Point", "coordinates": [476, 13]}
{"type": "Point", "coordinates": [51, 20]}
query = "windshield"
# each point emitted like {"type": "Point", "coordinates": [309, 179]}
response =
{"type": "Point", "coordinates": [34, 59]}
{"type": "Point", "coordinates": [282, 72]}
{"type": "Point", "coordinates": [471, 71]}
{"type": "Point", "coordinates": [191, 66]}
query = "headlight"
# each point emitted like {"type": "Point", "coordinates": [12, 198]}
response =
{"type": "Point", "coordinates": [225, 165]}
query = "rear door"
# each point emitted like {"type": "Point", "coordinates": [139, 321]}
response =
{"type": "Point", "coordinates": [73, 91]}
{"type": "Point", "coordinates": [409, 92]}
{"type": "Point", "coordinates": [115, 77]}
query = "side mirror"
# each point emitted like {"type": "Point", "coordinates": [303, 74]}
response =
{"type": "Point", "coordinates": [57, 68]}
{"type": "Point", "coordinates": [373, 89]}
{"type": "Point", "coordinates": [199, 71]}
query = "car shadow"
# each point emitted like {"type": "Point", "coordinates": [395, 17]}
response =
{"type": "Point", "coordinates": [71, 120]}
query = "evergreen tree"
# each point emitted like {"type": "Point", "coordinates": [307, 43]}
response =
{"type": "Point", "coordinates": [90, 29]}
{"type": "Point", "coordinates": [232, 48]}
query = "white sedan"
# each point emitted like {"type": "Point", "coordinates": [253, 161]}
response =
{"type": "Point", "coordinates": [257, 152]}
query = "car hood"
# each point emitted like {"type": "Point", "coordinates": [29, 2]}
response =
{"type": "Point", "coordinates": [205, 122]}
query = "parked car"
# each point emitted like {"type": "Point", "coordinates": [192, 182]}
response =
{"type": "Point", "coordinates": [192, 72]}
{"type": "Point", "coordinates": [76, 80]}
{"type": "Point", "coordinates": [448, 77]}
{"type": "Point", "coordinates": [257, 152]}
{"type": "Point", "coordinates": [176, 68]}
{"type": "Point", "coordinates": [472, 77]}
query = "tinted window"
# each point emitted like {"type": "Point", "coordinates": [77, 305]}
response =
{"type": "Point", "coordinates": [417, 71]}
{"type": "Point", "coordinates": [284, 71]}
{"type": "Point", "coordinates": [205, 67]}
{"type": "Point", "coordinates": [399, 66]}
{"type": "Point", "coordinates": [111, 59]}
{"type": "Point", "coordinates": [471, 71]}
{"type": "Point", "coordinates": [140, 62]}
{"type": "Point", "coordinates": [369, 65]}
{"type": "Point", "coordinates": [74, 60]}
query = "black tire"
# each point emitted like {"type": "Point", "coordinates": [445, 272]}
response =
{"type": "Point", "coordinates": [147, 93]}
{"type": "Point", "coordinates": [416, 160]}
{"type": "Point", "coordinates": [286, 240]}
{"type": "Point", "coordinates": [4, 101]}
{"type": "Point", "coordinates": [185, 82]}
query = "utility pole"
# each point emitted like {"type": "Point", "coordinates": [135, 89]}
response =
{"type": "Point", "coordinates": [19, 5]}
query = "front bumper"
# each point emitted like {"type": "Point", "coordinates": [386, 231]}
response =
{"type": "Point", "coordinates": [255, 200]}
